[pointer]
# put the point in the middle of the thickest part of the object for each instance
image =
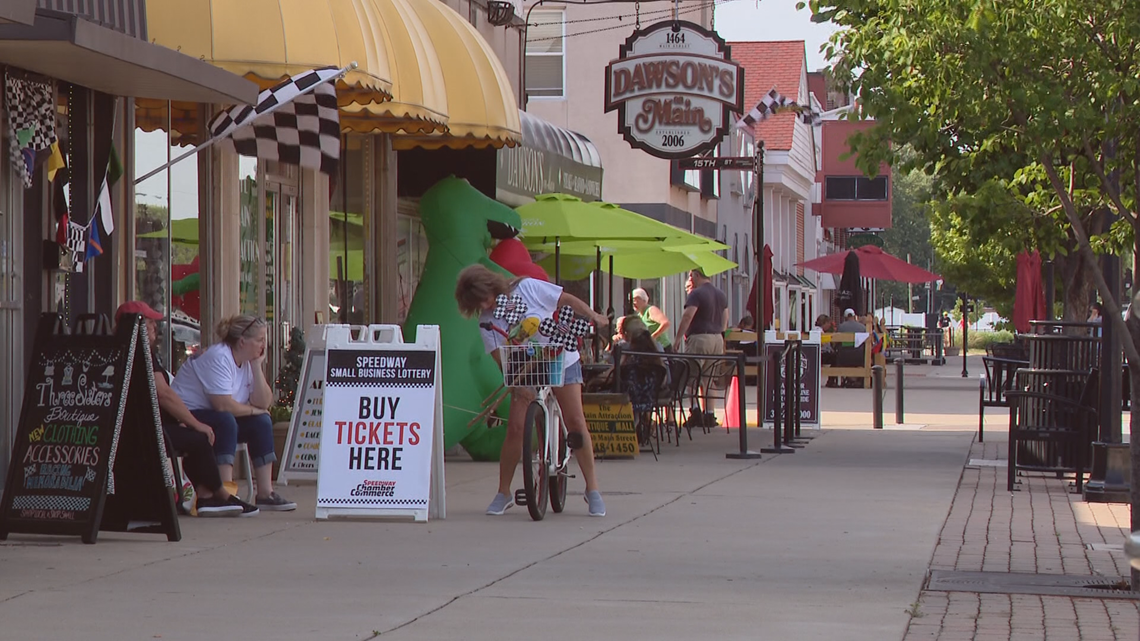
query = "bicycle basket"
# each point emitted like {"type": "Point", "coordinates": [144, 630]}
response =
{"type": "Point", "coordinates": [532, 365]}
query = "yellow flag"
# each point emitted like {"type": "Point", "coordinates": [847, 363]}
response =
{"type": "Point", "coordinates": [55, 161]}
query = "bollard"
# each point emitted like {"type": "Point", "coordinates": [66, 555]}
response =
{"type": "Point", "coordinates": [899, 391]}
{"type": "Point", "coordinates": [877, 396]}
{"type": "Point", "coordinates": [742, 402]}
{"type": "Point", "coordinates": [776, 367]}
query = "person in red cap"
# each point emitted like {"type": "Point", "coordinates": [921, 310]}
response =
{"type": "Point", "coordinates": [186, 434]}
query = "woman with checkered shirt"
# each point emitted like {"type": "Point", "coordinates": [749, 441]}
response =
{"type": "Point", "coordinates": [476, 292]}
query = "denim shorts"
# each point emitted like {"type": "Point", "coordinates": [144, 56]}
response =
{"type": "Point", "coordinates": [572, 375]}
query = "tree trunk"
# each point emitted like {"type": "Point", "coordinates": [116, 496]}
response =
{"type": "Point", "coordinates": [1078, 289]}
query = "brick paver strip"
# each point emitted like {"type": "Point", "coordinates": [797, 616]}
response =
{"type": "Point", "coordinates": [1043, 528]}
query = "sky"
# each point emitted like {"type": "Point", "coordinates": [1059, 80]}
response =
{"type": "Point", "coordinates": [773, 20]}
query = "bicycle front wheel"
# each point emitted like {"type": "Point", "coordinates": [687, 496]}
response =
{"type": "Point", "coordinates": [534, 460]}
{"type": "Point", "coordinates": [559, 481]}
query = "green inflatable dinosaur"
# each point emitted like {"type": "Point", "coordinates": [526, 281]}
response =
{"type": "Point", "coordinates": [461, 225]}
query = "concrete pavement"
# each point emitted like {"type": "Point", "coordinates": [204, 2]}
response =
{"type": "Point", "coordinates": [832, 542]}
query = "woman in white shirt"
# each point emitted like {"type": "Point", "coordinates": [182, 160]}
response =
{"type": "Point", "coordinates": [475, 292]}
{"type": "Point", "coordinates": [224, 387]}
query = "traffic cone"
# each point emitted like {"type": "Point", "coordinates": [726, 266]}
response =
{"type": "Point", "coordinates": [732, 406]}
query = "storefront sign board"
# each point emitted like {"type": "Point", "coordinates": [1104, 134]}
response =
{"type": "Point", "coordinates": [609, 418]}
{"type": "Point", "coordinates": [381, 444]}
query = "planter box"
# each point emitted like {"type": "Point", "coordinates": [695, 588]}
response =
{"type": "Point", "coordinates": [953, 351]}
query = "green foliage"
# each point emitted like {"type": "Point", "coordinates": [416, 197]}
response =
{"type": "Point", "coordinates": [290, 373]}
{"type": "Point", "coordinates": [981, 340]}
{"type": "Point", "coordinates": [1037, 98]}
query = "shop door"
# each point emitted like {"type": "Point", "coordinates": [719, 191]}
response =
{"type": "Point", "coordinates": [282, 269]}
{"type": "Point", "coordinates": [11, 314]}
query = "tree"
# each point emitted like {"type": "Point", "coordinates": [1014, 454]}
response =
{"type": "Point", "coordinates": [1040, 94]}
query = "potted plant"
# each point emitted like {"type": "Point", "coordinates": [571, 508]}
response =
{"type": "Point", "coordinates": [286, 386]}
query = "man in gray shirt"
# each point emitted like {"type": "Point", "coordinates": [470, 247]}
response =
{"type": "Point", "coordinates": [702, 328]}
{"type": "Point", "coordinates": [851, 322]}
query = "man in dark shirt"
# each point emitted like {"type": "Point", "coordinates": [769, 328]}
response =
{"type": "Point", "coordinates": [705, 318]}
{"type": "Point", "coordinates": [702, 327]}
{"type": "Point", "coordinates": [186, 434]}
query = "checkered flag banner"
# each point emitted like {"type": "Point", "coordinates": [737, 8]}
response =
{"type": "Point", "coordinates": [77, 240]}
{"type": "Point", "coordinates": [31, 123]}
{"type": "Point", "coordinates": [294, 122]}
{"type": "Point", "coordinates": [564, 329]}
{"type": "Point", "coordinates": [510, 308]}
{"type": "Point", "coordinates": [774, 101]}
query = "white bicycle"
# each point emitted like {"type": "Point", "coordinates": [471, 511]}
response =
{"type": "Point", "coordinates": [546, 448]}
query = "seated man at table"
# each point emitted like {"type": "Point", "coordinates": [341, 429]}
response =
{"type": "Point", "coordinates": [852, 356]}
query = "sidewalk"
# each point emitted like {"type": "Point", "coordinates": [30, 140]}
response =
{"type": "Point", "coordinates": [1041, 529]}
{"type": "Point", "coordinates": [832, 543]}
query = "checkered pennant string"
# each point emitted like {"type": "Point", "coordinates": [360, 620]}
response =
{"type": "Point", "coordinates": [564, 329]}
{"type": "Point", "coordinates": [305, 131]}
{"type": "Point", "coordinates": [510, 308]}
{"type": "Point", "coordinates": [31, 123]}
{"type": "Point", "coordinates": [76, 237]}
{"type": "Point", "coordinates": [774, 101]}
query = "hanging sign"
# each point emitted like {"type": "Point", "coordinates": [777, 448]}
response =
{"type": "Point", "coordinates": [381, 438]}
{"type": "Point", "coordinates": [674, 87]}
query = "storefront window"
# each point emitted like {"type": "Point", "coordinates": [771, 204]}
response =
{"type": "Point", "coordinates": [249, 234]}
{"type": "Point", "coordinates": [166, 244]}
{"type": "Point", "coordinates": [411, 254]}
{"type": "Point", "coordinates": [349, 226]}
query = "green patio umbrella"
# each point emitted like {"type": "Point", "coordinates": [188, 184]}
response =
{"type": "Point", "coordinates": [561, 217]}
{"type": "Point", "coordinates": [649, 263]}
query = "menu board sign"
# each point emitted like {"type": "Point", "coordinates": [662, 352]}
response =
{"type": "Point", "coordinates": [82, 389]}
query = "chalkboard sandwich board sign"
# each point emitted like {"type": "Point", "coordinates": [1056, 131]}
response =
{"type": "Point", "coordinates": [89, 453]}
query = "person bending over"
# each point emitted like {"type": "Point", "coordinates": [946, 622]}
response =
{"type": "Point", "coordinates": [224, 386]}
{"type": "Point", "coordinates": [475, 293]}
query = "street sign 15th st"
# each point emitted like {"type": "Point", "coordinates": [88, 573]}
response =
{"type": "Point", "coordinates": [745, 163]}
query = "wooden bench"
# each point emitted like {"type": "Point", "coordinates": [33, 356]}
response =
{"type": "Point", "coordinates": [863, 371]}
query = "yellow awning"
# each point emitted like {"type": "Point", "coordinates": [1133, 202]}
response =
{"type": "Point", "coordinates": [398, 80]}
{"type": "Point", "coordinates": [425, 73]}
{"type": "Point", "coordinates": [481, 106]}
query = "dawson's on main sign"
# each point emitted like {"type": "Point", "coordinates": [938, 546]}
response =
{"type": "Point", "coordinates": [674, 90]}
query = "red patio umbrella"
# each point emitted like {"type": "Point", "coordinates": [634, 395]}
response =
{"type": "Point", "coordinates": [1029, 298]}
{"type": "Point", "coordinates": [873, 263]}
{"type": "Point", "coordinates": [766, 277]}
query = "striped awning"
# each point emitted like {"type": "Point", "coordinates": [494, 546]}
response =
{"type": "Point", "coordinates": [424, 72]}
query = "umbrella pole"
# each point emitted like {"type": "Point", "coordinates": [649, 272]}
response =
{"type": "Point", "coordinates": [610, 309]}
{"type": "Point", "coordinates": [557, 261]}
{"type": "Point", "coordinates": [597, 295]}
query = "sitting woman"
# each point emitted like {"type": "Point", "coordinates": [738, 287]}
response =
{"type": "Point", "coordinates": [224, 387]}
{"type": "Point", "coordinates": [641, 384]}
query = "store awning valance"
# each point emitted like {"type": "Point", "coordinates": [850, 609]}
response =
{"type": "Point", "coordinates": [424, 71]}
{"type": "Point", "coordinates": [551, 159]}
{"type": "Point", "coordinates": [71, 48]}
{"type": "Point", "coordinates": [482, 109]}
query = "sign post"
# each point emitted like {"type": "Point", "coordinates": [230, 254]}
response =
{"type": "Point", "coordinates": [381, 438]}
